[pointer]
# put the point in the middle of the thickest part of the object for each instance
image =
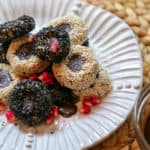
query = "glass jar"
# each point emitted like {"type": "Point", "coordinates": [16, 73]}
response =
{"type": "Point", "coordinates": [141, 115]}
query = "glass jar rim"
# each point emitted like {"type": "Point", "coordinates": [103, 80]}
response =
{"type": "Point", "coordinates": [145, 93]}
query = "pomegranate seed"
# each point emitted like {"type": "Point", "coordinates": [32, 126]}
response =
{"type": "Point", "coordinates": [95, 100]}
{"type": "Point", "coordinates": [49, 81]}
{"type": "Point", "coordinates": [10, 116]}
{"type": "Point", "coordinates": [2, 107]}
{"type": "Point", "coordinates": [50, 118]}
{"type": "Point", "coordinates": [85, 109]}
{"type": "Point", "coordinates": [33, 77]}
{"type": "Point", "coordinates": [54, 47]}
{"type": "Point", "coordinates": [46, 77]}
{"type": "Point", "coordinates": [87, 102]}
{"type": "Point", "coordinates": [55, 111]}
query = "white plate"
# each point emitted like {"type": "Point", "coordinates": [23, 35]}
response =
{"type": "Point", "coordinates": [114, 45]}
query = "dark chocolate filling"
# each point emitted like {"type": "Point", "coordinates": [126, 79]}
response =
{"type": "Point", "coordinates": [28, 103]}
{"type": "Point", "coordinates": [65, 27]}
{"type": "Point", "coordinates": [67, 109]}
{"type": "Point", "coordinates": [5, 78]}
{"type": "Point", "coordinates": [75, 63]}
{"type": "Point", "coordinates": [24, 51]}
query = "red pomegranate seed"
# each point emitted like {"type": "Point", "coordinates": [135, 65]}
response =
{"type": "Point", "coordinates": [95, 100]}
{"type": "Point", "coordinates": [33, 77]}
{"type": "Point", "coordinates": [50, 118]}
{"type": "Point", "coordinates": [2, 107]}
{"type": "Point", "coordinates": [85, 109]}
{"type": "Point", "coordinates": [46, 77]}
{"type": "Point", "coordinates": [55, 111]}
{"type": "Point", "coordinates": [49, 81]}
{"type": "Point", "coordinates": [54, 47]}
{"type": "Point", "coordinates": [86, 102]}
{"type": "Point", "coordinates": [10, 116]}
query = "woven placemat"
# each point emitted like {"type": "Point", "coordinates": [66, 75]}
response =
{"type": "Point", "coordinates": [137, 14]}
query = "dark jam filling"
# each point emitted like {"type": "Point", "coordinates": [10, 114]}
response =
{"type": "Point", "coordinates": [65, 27]}
{"type": "Point", "coordinates": [147, 130]}
{"type": "Point", "coordinates": [24, 51]}
{"type": "Point", "coordinates": [75, 63]}
{"type": "Point", "coordinates": [67, 109]}
{"type": "Point", "coordinates": [28, 103]}
{"type": "Point", "coordinates": [5, 78]}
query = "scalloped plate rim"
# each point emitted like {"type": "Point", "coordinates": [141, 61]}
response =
{"type": "Point", "coordinates": [141, 77]}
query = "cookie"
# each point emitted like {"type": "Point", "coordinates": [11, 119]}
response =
{"type": "Point", "coordinates": [31, 102]}
{"type": "Point", "coordinates": [21, 58]}
{"type": "Point", "coordinates": [65, 99]}
{"type": "Point", "coordinates": [100, 88]}
{"type": "Point", "coordinates": [74, 25]}
{"type": "Point", "coordinates": [16, 28]}
{"type": "Point", "coordinates": [52, 44]}
{"type": "Point", "coordinates": [78, 70]}
{"type": "Point", "coordinates": [7, 81]}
